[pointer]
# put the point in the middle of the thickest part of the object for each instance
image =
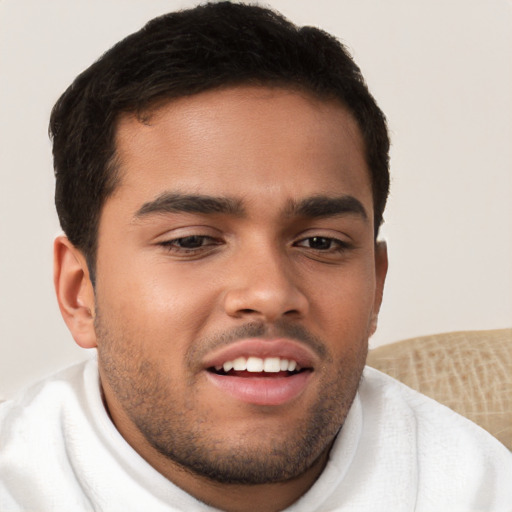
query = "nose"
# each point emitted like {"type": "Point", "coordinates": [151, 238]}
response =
{"type": "Point", "coordinates": [263, 286]}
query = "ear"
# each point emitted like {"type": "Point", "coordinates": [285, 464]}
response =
{"type": "Point", "coordinates": [75, 293]}
{"type": "Point", "coordinates": [381, 270]}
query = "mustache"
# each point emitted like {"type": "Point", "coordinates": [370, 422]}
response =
{"type": "Point", "coordinates": [279, 329]}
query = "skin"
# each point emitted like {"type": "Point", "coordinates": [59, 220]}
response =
{"type": "Point", "coordinates": [164, 303]}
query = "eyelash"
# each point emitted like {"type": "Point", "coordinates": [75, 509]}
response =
{"type": "Point", "coordinates": [173, 245]}
{"type": "Point", "coordinates": [335, 245]}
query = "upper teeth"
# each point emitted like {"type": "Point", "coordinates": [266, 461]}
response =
{"type": "Point", "coordinates": [257, 364]}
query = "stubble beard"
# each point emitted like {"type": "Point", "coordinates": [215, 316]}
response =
{"type": "Point", "coordinates": [177, 430]}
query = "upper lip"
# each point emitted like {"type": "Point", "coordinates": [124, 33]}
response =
{"type": "Point", "coordinates": [284, 348]}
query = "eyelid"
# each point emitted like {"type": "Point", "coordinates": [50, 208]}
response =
{"type": "Point", "coordinates": [176, 239]}
{"type": "Point", "coordinates": [184, 231]}
{"type": "Point", "coordinates": [168, 240]}
{"type": "Point", "coordinates": [337, 241]}
{"type": "Point", "coordinates": [208, 244]}
{"type": "Point", "coordinates": [185, 237]}
{"type": "Point", "coordinates": [322, 232]}
{"type": "Point", "coordinates": [342, 244]}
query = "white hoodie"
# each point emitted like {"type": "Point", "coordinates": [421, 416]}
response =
{"type": "Point", "coordinates": [398, 451]}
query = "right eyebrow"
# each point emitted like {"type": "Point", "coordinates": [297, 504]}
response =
{"type": "Point", "coordinates": [170, 202]}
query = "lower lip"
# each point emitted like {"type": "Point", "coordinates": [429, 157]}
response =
{"type": "Point", "coordinates": [262, 390]}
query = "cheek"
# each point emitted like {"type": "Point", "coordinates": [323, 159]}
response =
{"type": "Point", "coordinates": [155, 304]}
{"type": "Point", "coordinates": [343, 305]}
{"type": "Point", "coordinates": [350, 288]}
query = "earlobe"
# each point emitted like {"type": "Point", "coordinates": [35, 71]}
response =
{"type": "Point", "coordinates": [74, 290]}
{"type": "Point", "coordinates": [381, 270]}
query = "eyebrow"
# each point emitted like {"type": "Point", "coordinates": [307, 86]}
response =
{"type": "Point", "coordinates": [325, 206]}
{"type": "Point", "coordinates": [312, 207]}
{"type": "Point", "coordinates": [191, 203]}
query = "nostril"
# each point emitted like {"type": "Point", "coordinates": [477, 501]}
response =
{"type": "Point", "coordinates": [268, 301]}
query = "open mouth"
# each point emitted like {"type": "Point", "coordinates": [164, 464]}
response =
{"type": "Point", "coordinates": [260, 367]}
{"type": "Point", "coordinates": [262, 372]}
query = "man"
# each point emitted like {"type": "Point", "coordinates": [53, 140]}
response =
{"type": "Point", "coordinates": [221, 177]}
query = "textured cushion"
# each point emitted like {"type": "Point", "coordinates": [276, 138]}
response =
{"type": "Point", "coordinates": [470, 372]}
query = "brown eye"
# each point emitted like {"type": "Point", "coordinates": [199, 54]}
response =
{"type": "Point", "coordinates": [320, 243]}
{"type": "Point", "coordinates": [323, 244]}
{"type": "Point", "coordinates": [191, 242]}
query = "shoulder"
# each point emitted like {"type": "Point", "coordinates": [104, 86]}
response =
{"type": "Point", "coordinates": [36, 429]}
{"type": "Point", "coordinates": [33, 416]}
{"type": "Point", "coordinates": [434, 423]}
{"type": "Point", "coordinates": [37, 417]}
{"type": "Point", "coordinates": [454, 456]}
{"type": "Point", "coordinates": [378, 388]}
{"type": "Point", "coordinates": [50, 395]}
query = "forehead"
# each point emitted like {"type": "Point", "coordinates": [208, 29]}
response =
{"type": "Point", "coordinates": [254, 142]}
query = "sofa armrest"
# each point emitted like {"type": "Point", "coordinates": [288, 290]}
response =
{"type": "Point", "coordinates": [469, 371]}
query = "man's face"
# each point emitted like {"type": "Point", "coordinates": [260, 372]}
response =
{"type": "Point", "coordinates": [241, 234]}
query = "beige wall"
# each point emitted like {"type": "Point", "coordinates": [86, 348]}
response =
{"type": "Point", "coordinates": [442, 72]}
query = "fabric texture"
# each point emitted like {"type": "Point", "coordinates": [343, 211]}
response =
{"type": "Point", "coordinates": [398, 450]}
{"type": "Point", "coordinates": [469, 371]}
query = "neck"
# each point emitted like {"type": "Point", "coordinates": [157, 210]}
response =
{"type": "Point", "coordinates": [271, 497]}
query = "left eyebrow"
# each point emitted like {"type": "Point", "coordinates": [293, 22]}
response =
{"type": "Point", "coordinates": [325, 206]}
{"type": "Point", "coordinates": [190, 203]}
